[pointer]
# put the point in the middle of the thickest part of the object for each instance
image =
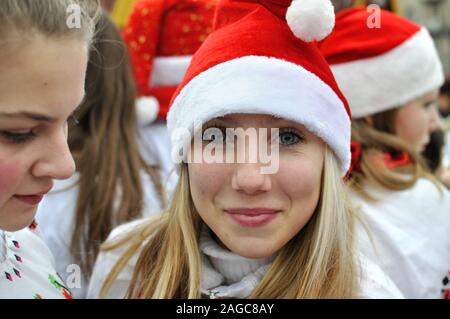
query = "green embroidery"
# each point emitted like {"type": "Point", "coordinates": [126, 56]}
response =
{"type": "Point", "coordinates": [55, 283]}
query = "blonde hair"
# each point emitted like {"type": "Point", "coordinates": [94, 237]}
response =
{"type": "Point", "coordinates": [317, 263]}
{"type": "Point", "coordinates": [49, 18]}
{"type": "Point", "coordinates": [376, 139]}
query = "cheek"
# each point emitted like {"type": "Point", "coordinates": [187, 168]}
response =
{"type": "Point", "coordinates": [206, 181]}
{"type": "Point", "coordinates": [301, 182]}
{"type": "Point", "coordinates": [411, 123]}
{"type": "Point", "coordinates": [10, 175]}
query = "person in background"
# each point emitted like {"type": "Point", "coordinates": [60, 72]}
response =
{"type": "Point", "coordinates": [113, 183]}
{"type": "Point", "coordinates": [391, 75]}
{"type": "Point", "coordinates": [42, 81]}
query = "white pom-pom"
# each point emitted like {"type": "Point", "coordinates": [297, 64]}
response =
{"type": "Point", "coordinates": [147, 109]}
{"type": "Point", "coordinates": [311, 20]}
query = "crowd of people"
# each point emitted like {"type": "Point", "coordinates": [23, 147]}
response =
{"type": "Point", "coordinates": [127, 165]}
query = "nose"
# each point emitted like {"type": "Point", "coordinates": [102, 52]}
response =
{"type": "Point", "coordinates": [248, 178]}
{"type": "Point", "coordinates": [56, 161]}
{"type": "Point", "coordinates": [435, 120]}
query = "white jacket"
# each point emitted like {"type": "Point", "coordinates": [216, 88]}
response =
{"type": "Point", "coordinates": [411, 233]}
{"type": "Point", "coordinates": [373, 282]}
{"type": "Point", "coordinates": [27, 268]}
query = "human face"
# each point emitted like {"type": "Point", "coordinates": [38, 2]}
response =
{"type": "Point", "coordinates": [255, 214]}
{"type": "Point", "coordinates": [40, 87]}
{"type": "Point", "coordinates": [415, 121]}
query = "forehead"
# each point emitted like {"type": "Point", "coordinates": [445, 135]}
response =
{"type": "Point", "coordinates": [430, 96]}
{"type": "Point", "coordinates": [254, 120]}
{"type": "Point", "coordinates": [45, 74]}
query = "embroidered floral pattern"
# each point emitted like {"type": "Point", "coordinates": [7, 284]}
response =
{"type": "Point", "coordinates": [64, 290]}
{"type": "Point", "coordinates": [15, 271]}
{"type": "Point", "coordinates": [33, 225]}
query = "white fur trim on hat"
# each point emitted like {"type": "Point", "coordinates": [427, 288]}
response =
{"type": "Point", "coordinates": [387, 81]}
{"type": "Point", "coordinates": [147, 108]}
{"type": "Point", "coordinates": [311, 20]}
{"type": "Point", "coordinates": [262, 85]}
{"type": "Point", "coordinates": [169, 70]}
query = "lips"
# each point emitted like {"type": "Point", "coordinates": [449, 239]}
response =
{"type": "Point", "coordinates": [30, 199]}
{"type": "Point", "coordinates": [33, 199]}
{"type": "Point", "coordinates": [252, 217]}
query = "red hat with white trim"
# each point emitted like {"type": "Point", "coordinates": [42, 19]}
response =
{"type": "Point", "coordinates": [259, 60]}
{"type": "Point", "coordinates": [381, 67]}
{"type": "Point", "coordinates": [161, 36]}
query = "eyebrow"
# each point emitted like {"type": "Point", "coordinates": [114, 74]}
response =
{"type": "Point", "coordinates": [232, 122]}
{"type": "Point", "coordinates": [36, 116]}
{"type": "Point", "coordinates": [29, 115]}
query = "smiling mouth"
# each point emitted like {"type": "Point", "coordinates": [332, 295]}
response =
{"type": "Point", "coordinates": [252, 217]}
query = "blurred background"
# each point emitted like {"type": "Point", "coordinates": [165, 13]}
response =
{"type": "Point", "coordinates": [434, 14]}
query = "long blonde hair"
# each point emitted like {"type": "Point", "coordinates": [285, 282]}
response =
{"type": "Point", "coordinates": [318, 262]}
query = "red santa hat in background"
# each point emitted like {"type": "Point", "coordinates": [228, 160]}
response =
{"type": "Point", "coordinates": [258, 60]}
{"type": "Point", "coordinates": [381, 68]}
{"type": "Point", "coordinates": [161, 36]}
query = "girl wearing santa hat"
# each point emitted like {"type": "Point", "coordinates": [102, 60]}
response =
{"type": "Point", "coordinates": [42, 74]}
{"type": "Point", "coordinates": [391, 75]}
{"type": "Point", "coordinates": [232, 230]}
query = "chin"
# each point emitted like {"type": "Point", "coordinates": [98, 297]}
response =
{"type": "Point", "coordinates": [18, 220]}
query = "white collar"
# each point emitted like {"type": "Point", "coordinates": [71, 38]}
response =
{"type": "Point", "coordinates": [225, 274]}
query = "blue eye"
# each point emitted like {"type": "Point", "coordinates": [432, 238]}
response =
{"type": "Point", "coordinates": [17, 138]}
{"type": "Point", "coordinates": [289, 138]}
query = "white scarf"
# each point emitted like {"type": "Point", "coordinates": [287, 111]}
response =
{"type": "Point", "coordinates": [225, 274]}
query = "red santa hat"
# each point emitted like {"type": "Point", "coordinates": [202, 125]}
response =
{"type": "Point", "coordinates": [259, 60]}
{"type": "Point", "coordinates": [161, 36]}
{"type": "Point", "coordinates": [384, 67]}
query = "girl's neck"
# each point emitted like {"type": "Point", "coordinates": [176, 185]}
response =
{"type": "Point", "coordinates": [230, 265]}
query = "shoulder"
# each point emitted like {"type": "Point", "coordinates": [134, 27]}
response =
{"type": "Point", "coordinates": [31, 240]}
{"type": "Point", "coordinates": [424, 195]}
{"type": "Point", "coordinates": [28, 268]}
{"type": "Point", "coordinates": [427, 187]}
{"type": "Point", "coordinates": [106, 261]}
{"type": "Point", "coordinates": [374, 283]}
